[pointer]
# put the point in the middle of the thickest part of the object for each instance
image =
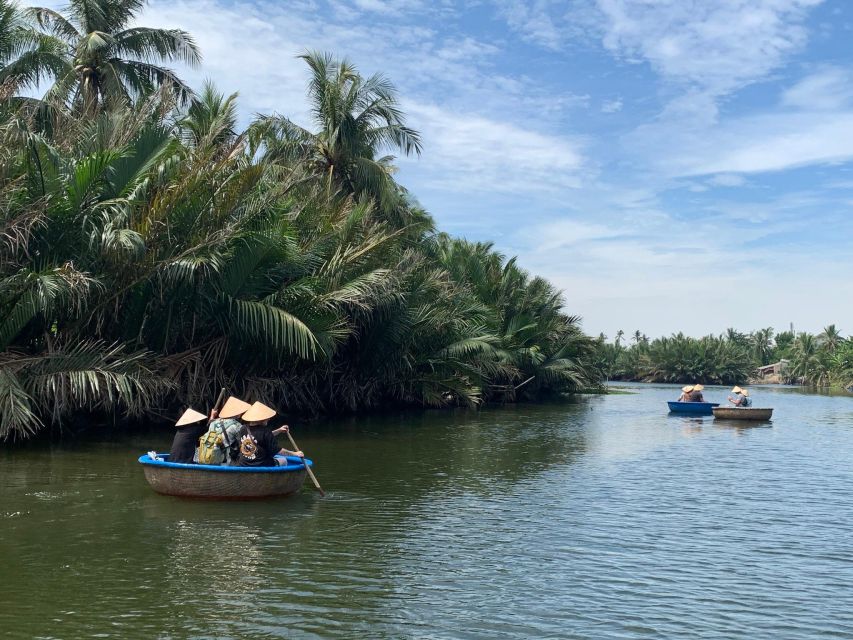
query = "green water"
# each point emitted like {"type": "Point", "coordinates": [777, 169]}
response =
{"type": "Point", "coordinates": [606, 518]}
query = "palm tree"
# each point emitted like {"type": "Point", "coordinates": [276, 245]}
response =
{"type": "Point", "coordinates": [26, 56]}
{"type": "Point", "coordinates": [807, 363]}
{"type": "Point", "coordinates": [638, 336]}
{"type": "Point", "coordinates": [619, 335]}
{"type": "Point", "coordinates": [356, 120]}
{"type": "Point", "coordinates": [830, 338]}
{"type": "Point", "coordinates": [762, 344]}
{"type": "Point", "coordinates": [107, 62]}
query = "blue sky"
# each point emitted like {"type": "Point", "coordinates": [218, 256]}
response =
{"type": "Point", "coordinates": [670, 164]}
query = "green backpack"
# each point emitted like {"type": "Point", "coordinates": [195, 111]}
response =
{"type": "Point", "coordinates": [211, 449]}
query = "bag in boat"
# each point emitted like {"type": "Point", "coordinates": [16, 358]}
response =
{"type": "Point", "coordinates": [211, 446]}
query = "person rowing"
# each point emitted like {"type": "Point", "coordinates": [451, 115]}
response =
{"type": "Point", "coordinates": [258, 446]}
{"type": "Point", "coordinates": [685, 393]}
{"type": "Point", "coordinates": [696, 394]}
{"type": "Point", "coordinates": [741, 397]}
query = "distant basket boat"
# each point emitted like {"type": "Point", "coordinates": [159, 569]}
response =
{"type": "Point", "coordinates": [743, 413]}
{"type": "Point", "coordinates": [216, 481]}
{"type": "Point", "coordinates": [693, 408]}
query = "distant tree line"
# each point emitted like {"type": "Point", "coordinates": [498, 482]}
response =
{"type": "Point", "coordinates": [821, 360]}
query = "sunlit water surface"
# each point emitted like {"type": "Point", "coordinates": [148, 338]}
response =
{"type": "Point", "coordinates": [606, 518]}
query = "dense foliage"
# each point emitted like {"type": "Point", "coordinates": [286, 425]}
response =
{"type": "Point", "coordinates": [151, 252]}
{"type": "Point", "coordinates": [819, 360]}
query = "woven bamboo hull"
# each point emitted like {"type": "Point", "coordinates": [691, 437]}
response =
{"type": "Point", "coordinates": [202, 481]}
{"type": "Point", "coordinates": [746, 413]}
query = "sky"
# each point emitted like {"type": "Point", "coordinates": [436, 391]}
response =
{"type": "Point", "coordinates": [671, 165]}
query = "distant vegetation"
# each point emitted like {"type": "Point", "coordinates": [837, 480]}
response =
{"type": "Point", "coordinates": [819, 360]}
{"type": "Point", "coordinates": [151, 251]}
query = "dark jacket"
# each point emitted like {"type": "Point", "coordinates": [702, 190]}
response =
{"type": "Point", "coordinates": [257, 447]}
{"type": "Point", "coordinates": [185, 442]}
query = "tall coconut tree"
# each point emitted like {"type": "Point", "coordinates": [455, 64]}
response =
{"type": "Point", "coordinates": [356, 120]}
{"type": "Point", "coordinates": [830, 338]}
{"type": "Point", "coordinates": [107, 60]}
{"type": "Point", "coordinates": [26, 55]}
{"type": "Point", "coordinates": [807, 362]}
{"type": "Point", "coordinates": [762, 344]}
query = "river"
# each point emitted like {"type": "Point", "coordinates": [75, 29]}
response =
{"type": "Point", "coordinates": [602, 518]}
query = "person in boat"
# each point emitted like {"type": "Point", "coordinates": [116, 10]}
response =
{"type": "Point", "coordinates": [191, 425]}
{"type": "Point", "coordinates": [685, 393]}
{"type": "Point", "coordinates": [696, 394]}
{"type": "Point", "coordinates": [258, 446]}
{"type": "Point", "coordinates": [741, 397]}
{"type": "Point", "coordinates": [227, 422]}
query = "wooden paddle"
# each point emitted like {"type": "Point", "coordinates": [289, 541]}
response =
{"type": "Point", "coordinates": [307, 468]}
{"type": "Point", "coordinates": [217, 406]}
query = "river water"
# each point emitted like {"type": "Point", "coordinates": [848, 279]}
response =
{"type": "Point", "coordinates": [604, 518]}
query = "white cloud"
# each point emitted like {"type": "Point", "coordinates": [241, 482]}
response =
{"type": "Point", "coordinates": [830, 89]}
{"type": "Point", "coordinates": [612, 106]}
{"type": "Point", "coordinates": [533, 20]}
{"type": "Point", "coordinates": [727, 180]}
{"type": "Point", "coordinates": [468, 152]}
{"type": "Point", "coordinates": [767, 142]}
{"type": "Point", "coordinates": [717, 45]}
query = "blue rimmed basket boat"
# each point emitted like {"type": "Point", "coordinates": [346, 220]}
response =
{"type": "Point", "coordinates": [693, 408]}
{"type": "Point", "coordinates": [223, 482]}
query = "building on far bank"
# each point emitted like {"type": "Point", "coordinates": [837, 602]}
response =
{"type": "Point", "coordinates": [772, 373]}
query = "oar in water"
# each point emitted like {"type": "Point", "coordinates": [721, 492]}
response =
{"type": "Point", "coordinates": [307, 468]}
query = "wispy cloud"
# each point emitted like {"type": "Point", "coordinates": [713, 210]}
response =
{"type": "Point", "coordinates": [466, 152]}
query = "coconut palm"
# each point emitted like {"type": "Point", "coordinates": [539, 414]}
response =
{"type": "Point", "coordinates": [106, 61]}
{"type": "Point", "coordinates": [26, 56]}
{"type": "Point", "coordinates": [357, 120]}
{"type": "Point", "coordinates": [830, 338]}
{"type": "Point", "coordinates": [807, 363]}
{"type": "Point", "coordinates": [762, 344]}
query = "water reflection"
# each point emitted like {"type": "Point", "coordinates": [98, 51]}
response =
{"type": "Point", "coordinates": [606, 517]}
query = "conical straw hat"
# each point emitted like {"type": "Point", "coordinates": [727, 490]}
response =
{"type": "Point", "coordinates": [737, 389]}
{"type": "Point", "coordinates": [698, 387]}
{"type": "Point", "coordinates": [190, 416]}
{"type": "Point", "coordinates": [258, 412]}
{"type": "Point", "coordinates": [233, 407]}
{"type": "Point", "coordinates": [687, 388]}
{"type": "Point", "coordinates": [745, 392]}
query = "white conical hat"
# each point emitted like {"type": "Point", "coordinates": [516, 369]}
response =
{"type": "Point", "coordinates": [687, 389]}
{"type": "Point", "coordinates": [258, 412]}
{"type": "Point", "coordinates": [737, 389]}
{"type": "Point", "coordinates": [189, 417]}
{"type": "Point", "coordinates": [233, 407]}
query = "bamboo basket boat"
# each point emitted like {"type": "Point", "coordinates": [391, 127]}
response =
{"type": "Point", "coordinates": [743, 413]}
{"type": "Point", "coordinates": [224, 482]}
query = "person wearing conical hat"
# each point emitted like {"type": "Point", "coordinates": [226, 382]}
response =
{"type": "Point", "coordinates": [696, 394]}
{"type": "Point", "coordinates": [258, 446]}
{"type": "Point", "coordinates": [685, 393]}
{"type": "Point", "coordinates": [741, 397]}
{"type": "Point", "coordinates": [191, 425]}
{"type": "Point", "coordinates": [227, 422]}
